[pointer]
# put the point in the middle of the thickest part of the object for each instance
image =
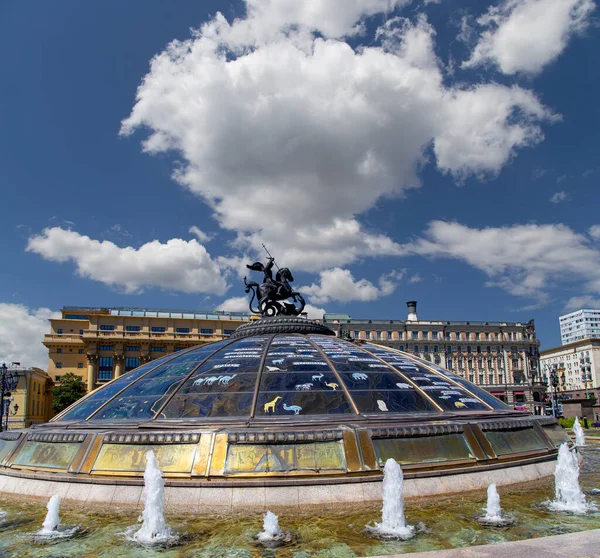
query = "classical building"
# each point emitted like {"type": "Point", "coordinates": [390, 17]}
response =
{"type": "Point", "coordinates": [99, 344]}
{"type": "Point", "coordinates": [579, 325]}
{"type": "Point", "coordinates": [577, 367]}
{"type": "Point", "coordinates": [502, 357]}
{"type": "Point", "coordinates": [31, 402]}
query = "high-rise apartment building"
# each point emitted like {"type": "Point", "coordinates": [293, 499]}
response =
{"type": "Point", "coordinates": [578, 325]}
{"type": "Point", "coordinates": [501, 357]}
{"type": "Point", "coordinates": [99, 344]}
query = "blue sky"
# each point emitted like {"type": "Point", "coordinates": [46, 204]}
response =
{"type": "Point", "coordinates": [384, 150]}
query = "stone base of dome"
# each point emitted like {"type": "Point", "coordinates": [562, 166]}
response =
{"type": "Point", "coordinates": [198, 499]}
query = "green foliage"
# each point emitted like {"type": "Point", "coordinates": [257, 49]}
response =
{"type": "Point", "coordinates": [570, 421]}
{"type": "Point", "coordinates": [71, 389]}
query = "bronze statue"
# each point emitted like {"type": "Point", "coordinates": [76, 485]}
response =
{"type": "Point", "coordinates": [272, 293]}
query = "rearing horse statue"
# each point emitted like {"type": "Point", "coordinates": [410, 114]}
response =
{"type": "Point", "coordinates": [272, 292]}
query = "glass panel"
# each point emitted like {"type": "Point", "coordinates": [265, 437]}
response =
{"type": "Point", "coordinates": [144, 398]}
{"type": "Point", "coordinates": [557, 434]}
{"type": "Point", "coordinates": [171, 458]}
{"type": "Point", "coordinates": [43, 454]}
{"type": "Point", "coordinates": [251, 458]}
{"type": "Point", "coordinates": [422, 449]}
{"type": "Point", "coordinates": [399, 401]}
{"type": "Point", "coordinates": [223, 385]}
{"type": "Point", "coordinates": [445, 393]}
{"type": "Point", "coordinates": [302, 403]}
{"type": "Point", "coordinates": [506, 442]}
{"type": "Point", "coordinates": [6, 447]}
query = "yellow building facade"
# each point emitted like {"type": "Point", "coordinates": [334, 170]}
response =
{"type": "Point", "coordinates": [99, 344]}
{"type": "Point", "coordinates": [31, 402]}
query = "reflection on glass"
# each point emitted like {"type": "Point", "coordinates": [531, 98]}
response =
{"type": "Point", "coordinates": [505, 442]}
{"type": "Point", "coordinates": [557, 434]}
{"type": "Point", "coordinates": [423, 449]}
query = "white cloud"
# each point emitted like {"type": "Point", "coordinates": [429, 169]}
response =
{"type": "Point", "coordinates": [559, 197]}
{"type": "Point", "coordinates": [594, 232]}
{"type": "Point", "coordinates": [314, 313]}
{"type": "Point", "coordinates": [526, 35]}
{"type": "Point", "coordinates": [578, 302]}
{"type": "Point", "coordinates": [525, 260]}
{"type": "Point", "coordinates": [320, 131]}
{"type": "Point", "coordinates": [175, 265]}
{"type": "Point", "coordinates": [339, 284]}
{"type": "Point", "coordinates": [235, 304]}
{"type": "Point", "coordinates": [416, 278]}
{"type": "Point", "coordinates": [200, 235]}
{"type": "Point", "coordinates": [21, 334]}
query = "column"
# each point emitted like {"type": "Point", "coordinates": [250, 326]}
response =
{"type": "Point", "coordinates": [92, 372]}
{"type": "Point", "coordinates": [118, 360]}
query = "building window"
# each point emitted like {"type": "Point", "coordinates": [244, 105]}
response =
{"type": "Point", "coordinates": [469, 349]}
{"type": "Point", "coordinates": [80, 351]}
{"type": "Point", "coordinates": [107, 328]}
{"type": "Point", "coordinates": [401, 347]}
{"type": "Point", "coordinates": [449, 363]}
{"type": "Point", "coordinates": [131, 363]}
{"type": "Point", "coordinates": [132, 347]}
{"type": "Point", "coordinates": [57, 378]}
{"type": "Point", "coordinates": [81, 332]}
{"type": "Point", "coordinates": [416, 349]}
{"type": "Point", "coordinates": [80, 365]}
{"type": "Point", "coordinates": [207, 331]}
{"type": "Point", "coordinates": [59, 331]}
{"type": "Point", "coordinates": [449, 349]}
{"type": "Point", "coordinates": [414, 334]}
{"type": "Point", "coordinates": [389, 334]}
{"type": "Point", "coordinates": [158, 330]}
{"type": "Point", "coordinates": [105, 368]}
{"type": "Point", "coordinates": [230, 331]}
{"type": "Point", "coordinates": [471, 378]}
{"type": "Point", "coordinates": [477, 336]}
{"type": "Point", "coordinates": [59, 351]}
{"type": "Point", "coordinates": [478, 349]}
{"type": "Point", "coordinates": [448, 335]}
{"type": "Point", "coordinates": [105, 347]}
{"type": "Point", "coordinates": [435, 349]}
{"type": "Point", "coordinates": [59, 365]}
{"type": "Point", "coordinates": [132, 328]}
{"type": "Point", "coordinates": [459, 349]}
{"type": "Point", "coordinates": [481, 378]}
{"type": "Point", "coordinates": [157, 349]}
{"type": "Point", "coordinates": [182, 330]}
{"type": "Point", "coordinates": [426, 348]}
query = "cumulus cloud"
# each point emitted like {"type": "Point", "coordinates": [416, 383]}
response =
{"type": "Point", "coordinates": [22, 331]}
{"type": "Point", "coordinates": [579, 302]}
{"type": "Point", "coordinates": [526, 35]}
{"type": "Point", "coordinates": [559, 197]}
{"type": "Point", "coordinates": [525, 260]}
{"type": "Point", "coordinates": [416, 278]}
{"type": "Point", "coordinates": [320, 130]}
{"type": "Point", "coordinates": [339, 285]}
{"type": "Point", "coordinates": [175, 265]}
{"type": "Point", "coordinates": [594, 232]}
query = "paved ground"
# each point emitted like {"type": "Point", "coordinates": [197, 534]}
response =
{"type": "Point", "coordinates": [574, 545]}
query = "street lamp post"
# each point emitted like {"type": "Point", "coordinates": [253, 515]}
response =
{"type": "Point", "coordinates": [554, 382]}
{"type": "Point", "coordinates": [8, 382]}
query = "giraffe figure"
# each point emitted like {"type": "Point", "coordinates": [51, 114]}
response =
{"type": "Point", "coordinates": [270, 406]}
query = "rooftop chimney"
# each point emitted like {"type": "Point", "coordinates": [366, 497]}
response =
{"type": "Point", "coordinates": [412, 311]}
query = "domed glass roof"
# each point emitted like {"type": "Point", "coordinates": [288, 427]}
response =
{"type": "Point", "coordinates": [281, 375]}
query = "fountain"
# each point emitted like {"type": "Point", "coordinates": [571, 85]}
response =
{"type": "Point", "coordinates": [52, 521]}
{"type": "Point", "coordinates": [579, 435]}
{"type": "Point", "coordinates": [393, 523]}
{"type": "Point", "coordinates": [271, 530]}
{"type": "Point", "coordinates": [154, 529]}
{"type": "Point", "coordinates": [493, 512]}
{"type": "Point", "coordinates": [568, 494]}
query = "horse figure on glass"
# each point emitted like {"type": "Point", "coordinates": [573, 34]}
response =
{"type": "Point", "coordinates": [272, 293]}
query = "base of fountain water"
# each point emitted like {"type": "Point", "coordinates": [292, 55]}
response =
{"type": "Point", "coordinates": [63, 532]}
{"type": "Point", "coordinates": [270, 541]}
{"type": "Point", "coordinates": [162, 540]}
{"type": "Point", "coordinates": [504, 520]}
{"type": "Point", "coordinates": [576, 509]}
{"type": "Point", "coordinates": [394, 533]}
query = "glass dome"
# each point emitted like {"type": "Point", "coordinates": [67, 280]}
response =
{"type": "Point", "coordinates": [274, 376]}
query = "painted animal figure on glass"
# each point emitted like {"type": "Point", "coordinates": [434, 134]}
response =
{"type": "Point", "coordinates": [303, 387]}
{"type": "Point", "coordinates": [208, 380]}
{"type": "Point", "coordinates": [224, 380]}
{"type": "Point", "coordinates": [274, 369]}
{"type": "Point", "coordinates": [270, 406]}
{"type": "Point", "coordinates": [359, 376]}
{"type": "Point", "coordinates": [294, 408]}
{"type": "Point", "coordinates": [382, 406]}
{"type": "Point", "coordinates": [317, 377]}
{"type": "Point", "coordinates": [332, 385]}
{"type": "Point", "coordinates": [459, 404]}
{"type": "Point", "coordinates": [402, 385]}
{"type": "Point", "coordinates": [278, 361]}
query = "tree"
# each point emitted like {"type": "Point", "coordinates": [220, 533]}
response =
{"type": "Point", "coordinates": [71, 389]}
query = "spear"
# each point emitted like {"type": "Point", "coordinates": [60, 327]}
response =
{"type": "Point", "coordinates": [269, 254]}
